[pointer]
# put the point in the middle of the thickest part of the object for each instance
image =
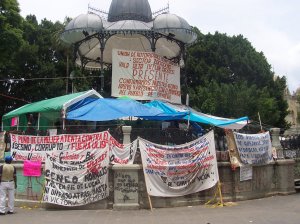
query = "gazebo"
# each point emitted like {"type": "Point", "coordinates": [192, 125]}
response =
{"type": "Point", "coordinates": [129, 25]}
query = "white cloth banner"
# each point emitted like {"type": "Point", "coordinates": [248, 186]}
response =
{"type": "Point", "coordinates": [34, 148]}
{"type": "Point", "coordinates": [145, 76]}
{"type": "Point", "coordinates": [254, 148]}
{"type": "Point", "coordinates": [172, 171]}
{"type": "Point", "coordinates": [122, 154]}
{"type": "Point", "coordinates": [77, 179]}
{"type": "Point", "coordinates": [2, 144]}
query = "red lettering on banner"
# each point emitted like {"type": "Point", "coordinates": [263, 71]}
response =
{"type": "Point", "coordinates": [96, 164]}
{"type": "Point", "coordinates": [33, 140]}
{"type": "Point", "coordinates": [123, 53]}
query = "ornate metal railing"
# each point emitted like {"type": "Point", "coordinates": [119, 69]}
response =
{"type": "Point", "coordinates": [291, 146]}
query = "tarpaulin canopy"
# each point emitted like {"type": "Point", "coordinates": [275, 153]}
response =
{"type": "Point", "coordinates": [110, 109]}
{"type": "Point", "coordinates": [51, 109]}
{"type": "Point", "coordinates": [51, 105]}
{"type": "Point", "coordinates": [196, 116]}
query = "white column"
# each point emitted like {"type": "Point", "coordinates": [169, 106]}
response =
{"type": "Point", "coordinates": [126, 134]}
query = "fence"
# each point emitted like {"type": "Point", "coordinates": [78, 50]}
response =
{"type": "Point", "coordinates": [291, 146]}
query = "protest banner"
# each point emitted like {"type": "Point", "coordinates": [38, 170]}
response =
{"type": "Point", "coordinates": [2, 144]}
{"type": "Point", "coordinates": [122, 154]}
{"type": "Point", "coordinates": [172, 171]}
{"type": "Point", "coordinates": [246, 172]}
{"type": "Point", "coordinates": [254, 148]}
{"type": "Point", "coordinates": [34, 148]}
{"type": "Point", "coordinates": [79, 179]}
{"type": "Point", "coordinates": [32, 168]}
{"type": "Point", "coordinates": [145, 76]}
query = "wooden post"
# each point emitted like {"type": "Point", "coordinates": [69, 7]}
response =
{"type": "Point", "coordinates": [150, 203]}
{"type": "Point", "coordinates": [259, 121]}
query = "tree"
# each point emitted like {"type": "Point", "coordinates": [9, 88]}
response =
{"type": "Point", "coordinates": [227, 77]}
{"type": "Point", "coordinates": [11, 41]}
{"type": "Point", "coordinates": [35, 67]}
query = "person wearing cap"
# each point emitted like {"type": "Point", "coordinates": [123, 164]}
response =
{"type": "Point", "coordinates": [8, 183]}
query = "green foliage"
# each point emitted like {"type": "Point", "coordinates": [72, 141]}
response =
{"type": "Point", "coordinates": [227, 77]}
{"type": "Point", "coordinates": [27, 55]}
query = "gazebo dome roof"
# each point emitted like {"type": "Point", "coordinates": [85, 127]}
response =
{"type": "Point", "coordinates": [177, 27]}
{"type": "Point", "coordinates": [130, 26]}
{"type": "Point", "coordinates": [130, 10]}
{"type": "Point", "coordinates": [82, 26]}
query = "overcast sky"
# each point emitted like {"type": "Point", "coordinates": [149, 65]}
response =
{"type": "Point", "coordinates": [272, 26]}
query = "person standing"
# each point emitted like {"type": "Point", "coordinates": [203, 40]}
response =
{"type": "Point", "coordinates": [8, 183]}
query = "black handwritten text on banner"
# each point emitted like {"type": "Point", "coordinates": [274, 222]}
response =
{"type": "Point", "coordinates": [254, 148]}
{"type": "Point", "coordinates": [179, 170]}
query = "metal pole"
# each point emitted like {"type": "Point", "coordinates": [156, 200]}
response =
{"type": "Point", "coordinates": [101, 72]}
{"type": "Point", "coordinates": [67, 81]}
{"type": "Point", "coordinates": [38, 124]}
{"type": "Point", "coordinates": [259, 121]}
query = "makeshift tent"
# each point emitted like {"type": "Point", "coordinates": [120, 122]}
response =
{"type": "Point", "coordinates": [111, 109]}
{"type": "Point", "coordinates": [196, 116]}
{"type": "Point", "coordinates": [49, 110]}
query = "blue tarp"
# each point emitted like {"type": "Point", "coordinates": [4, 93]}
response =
{"type": "Point", "coordinates": [111, 109]}
{"type": "Point", "coordinates": [200, 117]}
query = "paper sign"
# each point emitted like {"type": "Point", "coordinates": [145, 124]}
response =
{"type": "Point", "coordinates": [32, 168]}
{"type": "Point", "coordinates": [245, 173]}
{"type": "Point", "coordinates": [52, 132]}
{"type": "Point", "coordinates": [14, 121]}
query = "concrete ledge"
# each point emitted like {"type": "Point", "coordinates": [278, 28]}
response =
{"type": "Point", "coordinates": [285, 162]}
{"type": "Point", "coordinates": [127, 167]}
{"type": "Point", "coordinates": [129, 206]}
{"type": "Point", "coordinates": [276, 178]}
{"type": "Point", "coordinates": [221, 164]}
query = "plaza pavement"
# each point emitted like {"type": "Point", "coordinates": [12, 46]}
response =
{"type": "Point", "coordinates": [272, 210]}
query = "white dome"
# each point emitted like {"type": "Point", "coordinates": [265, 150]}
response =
{"type": "Point", "coordinates": [80, 27]}
{"type": "Point", "coordinates": [175, 27]}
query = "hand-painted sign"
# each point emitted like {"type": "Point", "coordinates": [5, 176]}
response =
{"type": "Point", "coordinates": [254, 148]}
{"type": "Point", "coordinates": [179, 170]}
{"type": "Point", "coordinates": [77, 180]}
{"type": "Point", "coordinates": [34, 148]}
{"type": "Point", "coordinates": [145, 76]}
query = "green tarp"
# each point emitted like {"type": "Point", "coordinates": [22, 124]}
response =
{"type": "Point", "coordinates": [49, 110]}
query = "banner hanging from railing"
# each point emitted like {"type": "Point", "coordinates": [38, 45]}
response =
{"type": "Point", "coordinates": [122, 153]}
{"type": "Point", "coordinates": [34, 148]}
{"type": "Point", "coordinates": [78, 179]}
{"type": "Point", "coordinates": [145, 76]}
{"type": "Point", "coordinates": [254, 148]}
{"type": "Point", "coordinates": [2, 144]}
{"type": "Point", "coordinates": [172, 171]}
